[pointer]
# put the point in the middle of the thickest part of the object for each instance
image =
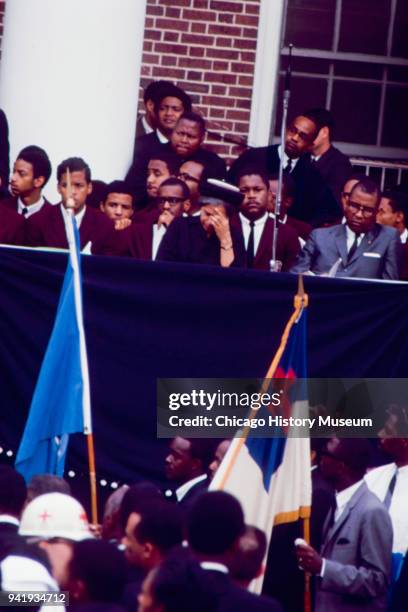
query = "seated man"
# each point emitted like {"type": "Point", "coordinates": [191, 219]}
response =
{"type": "Point", "coordinates": [96, 231]}
{"type": "Point", "coordinates": [256, 226]}
{"type": "Point", "coordinates": [360, 247]}
{"type": "Point", "coordinates": [191, 172]}
{"type": "Point", "coordinates": [288, 193]}
{"type": "Point", "coordinates": [313, 202]}
{"type": "Point", "coordinates": [209, 238]}
{"type": "Point", "coordinates": [31, 172]}
{"type": "Point", "coordinates": [142, 240]}
{"type": "Point", "coordinates": [186, 143]}
{"type": "Point", "coordinates": [118, 204]}
{"type": "Point", "coordinates": [159, 169]}
{"type": "Point", "coordinates": [393, 211]}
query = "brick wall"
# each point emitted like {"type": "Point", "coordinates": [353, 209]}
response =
{"type": "Point", "coordinates": [208, 48]}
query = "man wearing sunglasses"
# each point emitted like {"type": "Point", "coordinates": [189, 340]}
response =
{"type": "Point", "coordinates": [360, 247]}
{"type": "Point", "coordinates": [142, 240]}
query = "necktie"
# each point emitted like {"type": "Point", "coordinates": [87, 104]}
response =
{"type": "Point", "coordinates": [250, 247]}
{"type": "Point", "coordinates": [24, 211]}
{"type": "Point", "coordinates": [353, 248]}
{"type": "Point", "coordinates": [390, 491]}
{"type": "Point", "coordinates": [288, 166]}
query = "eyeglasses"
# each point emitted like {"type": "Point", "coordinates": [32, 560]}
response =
{"type": "Point", "coordinates": [187, 177]}
{"type": "Point", "coordinates": [292, 129]}
{"type": "Point", "coordinates": [355, 207]}
{"type": "Point", "coordinates": [172, 200]}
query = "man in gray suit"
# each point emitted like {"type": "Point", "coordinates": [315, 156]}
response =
{"type": "Point", "coordinates": [353, 570]}
{"type": "Point", "coordinates": [360, 247]}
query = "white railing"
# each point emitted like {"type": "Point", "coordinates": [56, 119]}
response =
{"type": "Point", "coordinates": [391, 172]}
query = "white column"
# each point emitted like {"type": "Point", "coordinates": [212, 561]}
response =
{"type": "Point", "coordinates": [266, 71]}
{"type": "Point", "coordinates": [69, 79]}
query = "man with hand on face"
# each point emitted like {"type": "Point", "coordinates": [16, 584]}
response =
{"type": "Point", "coordinates": [96, 231]}
{"type": "Point", "coordinates": [313, 202]}
{"type": "Point", "coordinates": [360, 247]}
{"type": "Point", "coordinates": [353, 568]}
{"type": "Point", "coordinates": [118, 204]}
{"type": "Point", "coordinates": [142, 240]}
{"type": "Point", "coordinates": [191, 172]}
{"type": "Point", "coordinates": [257, 227]}
{"type": "Point", "coordinates": [209, 238]}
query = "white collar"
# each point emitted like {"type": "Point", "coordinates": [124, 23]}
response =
{"type": "Point", "coordinates": [261, 221]}
{"type": "Point", "coordinates": [352, 235]}
{"type": "Point", "coordinates": [31, 208]}
{"type": "Point", "coordinates": [184, 488]}
{"type": "Point", "coordinates": [281, 219]}
{"type": "Point", "coordinates": [286, 158]}
{"type": "Point", "coordinates": [344, 496]}
{"type": "Point", "coordinates": [78, 217]}
{"type": "Point", "coordinates": [163, 139]}
{"type": "Point", "coordinates": [404, 236]}
{"type": "Point", "coordinates": [147, 128]}
{"type": "Point", "coordinates": [214, 566]}
{"type": "Point", "coordinates": [7, 518]}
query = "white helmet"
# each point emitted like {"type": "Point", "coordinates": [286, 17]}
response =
{"type": "Point", "coordinates": [55, 515]}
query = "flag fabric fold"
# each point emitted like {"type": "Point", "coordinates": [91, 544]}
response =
{"type": "Point", "coordinates": [61, 401]}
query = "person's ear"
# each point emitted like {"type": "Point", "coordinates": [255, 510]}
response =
{"type": "Point", "coordinates": [39, 182]}
{"type": "Point", "coordinates": [186, 206]}
{"type": "Point", "coordinates": [150, 106]}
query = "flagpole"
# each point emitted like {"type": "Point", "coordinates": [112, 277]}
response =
{"type": "Point", "coordinates": [70, 206]}
{"type": "Point", "coordinates": [300, 301]}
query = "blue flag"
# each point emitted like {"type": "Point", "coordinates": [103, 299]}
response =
{"type": "Point", "coordinates": [61, 395]}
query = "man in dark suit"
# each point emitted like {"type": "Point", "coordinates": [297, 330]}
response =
{"type": "Point", "coordinates": [215, 525]}
{"type": "Point", "coordinates": [393, 211]}
{"type": "Point", "coordinates": [146, 123]}
{"type": "Point", "coordinates": [313, 203]}
{"type": "Point", "coordinates": [256, 226]}
{"type": "Point", "coordinates": [142, 240]}
{"type": "Point", "coordinates": [334, 167]}
{"type": "Point", "coordinates": [31, 172]}
{"type": "Point", "coordinates": [302, 228]}
{"type": "Point", "coordinates": [4, 155]}
{"type": "Point", "coordinates": [187, 466]}
{"type": "Point", "coordinates": [12, 497]}
{"type": "Point", "coordinates": [96, 231]}
{"type": "Point", "coordinates": [210, 238]}
{"type": "Point", "coordinates": [358, 248]}
{"type": "Point", "coordinates": [353, 568]}
{"type": "Point", "coordinates": [186, 143]}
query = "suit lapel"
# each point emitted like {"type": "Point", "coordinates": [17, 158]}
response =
{"type": "Point", "coordinates": [335, 528]}
{"type": "Point", "coordinates": [264, 250]}
{"type": "Point", "coordinates": [341, 242]}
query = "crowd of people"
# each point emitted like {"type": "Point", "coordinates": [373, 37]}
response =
{"type": "Point", "coordinates": [179, 202]}
{"type": "Point", "coordinates": [187, 549]}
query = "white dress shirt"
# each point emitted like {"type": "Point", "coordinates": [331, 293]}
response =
{"type": "Point", "coordinates": [158, 233]}
{"type": "Point", "coordinates": [31, 209]}
{"type": "Point", "coordinates": [258, 229]}
{"type": "Point", "coordinates": [351, 237]}
{"type": "Point", "coordinates": [286, 159]}
{"type": "Point", "coordinates": [184, 488]}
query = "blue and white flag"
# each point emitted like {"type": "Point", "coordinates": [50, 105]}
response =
{"type": "Point", "coordinates": [271, 476]}
{"type": "Point", "coordinates": [61, 400]}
